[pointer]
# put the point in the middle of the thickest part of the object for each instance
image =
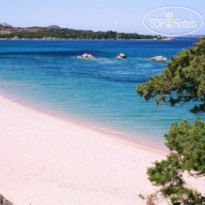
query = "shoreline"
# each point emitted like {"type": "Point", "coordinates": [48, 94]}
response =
{"type": "Point", "coordinates": [47, 160]}
{"type": "Point", "coordinates": [138, 141]}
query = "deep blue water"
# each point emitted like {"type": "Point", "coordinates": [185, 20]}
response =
{"type": "Point", "coordinates": [48, 74]}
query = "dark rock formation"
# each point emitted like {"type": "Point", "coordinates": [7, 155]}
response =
{"type": "Point", "coordinates": [4, 201]}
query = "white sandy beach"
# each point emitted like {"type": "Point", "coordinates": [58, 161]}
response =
{"type": "Point", "coordinates": [46, 160]}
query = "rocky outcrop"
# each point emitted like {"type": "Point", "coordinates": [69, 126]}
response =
{"type": "Point", "coordinates": [86, 56]}
{"type": "Point", "coordinates": [121, 56]}
{"type": "Point", "coordinates": [159, 58]}
{"type": "Point", "coordinates": [4, 201]}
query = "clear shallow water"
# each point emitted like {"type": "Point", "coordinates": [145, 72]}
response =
{"type": "Point", "coordinates": [103, 91]}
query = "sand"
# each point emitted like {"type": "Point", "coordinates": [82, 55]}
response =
{"type": "Point", "coordinates": [47, 160]}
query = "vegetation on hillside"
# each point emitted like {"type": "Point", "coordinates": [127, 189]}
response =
{"type": "Point", "coordinates": [183, 81]}
{"type": "Point", "coordinates": [65, 33]}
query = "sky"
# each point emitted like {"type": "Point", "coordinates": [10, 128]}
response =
{"type": "Point", "coordinates": [103, 15]}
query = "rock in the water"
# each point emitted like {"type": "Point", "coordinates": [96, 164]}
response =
{"type": "Point", "coordinates": [159, 58]}
{"type": "Point", "coordinates": [4, 201]}
{"type": "Point", "coordinates": [86, 56]}
{"type": "Point", "coordinates": [121, 56]}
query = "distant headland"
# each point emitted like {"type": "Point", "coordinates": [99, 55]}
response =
{"type": "Point", "coordinates": [55, 32]}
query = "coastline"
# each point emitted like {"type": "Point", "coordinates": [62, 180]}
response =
{"type": "Point", "coordinates": [139, 141]}
{"type": "Point", "coordinates": [50, 160]}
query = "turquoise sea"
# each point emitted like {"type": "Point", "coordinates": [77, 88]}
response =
{"type": "Point", "coordinates": [101, 91]}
